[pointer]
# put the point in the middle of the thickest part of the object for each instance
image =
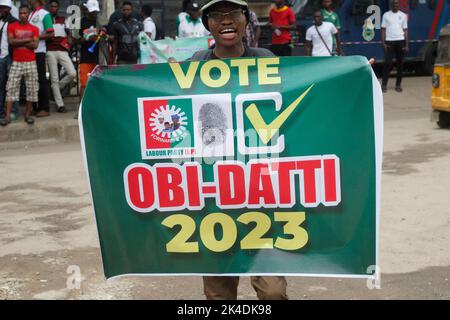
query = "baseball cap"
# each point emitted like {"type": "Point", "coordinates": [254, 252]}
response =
{"type": "Point", "coordinates": [210, 3]}
{"type": "Point", "coordinates": [92, 5]}
{"type": "Point", "coordinates": [6, 3]}
{"type": "Point", "coordinates": [194, 6]}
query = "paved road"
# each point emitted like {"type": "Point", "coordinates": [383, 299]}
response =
{"type": "Point", "coordinates": [46, 222]}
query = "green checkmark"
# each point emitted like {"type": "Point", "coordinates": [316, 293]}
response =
{"type": "Point", "coordinates": [267, 131]}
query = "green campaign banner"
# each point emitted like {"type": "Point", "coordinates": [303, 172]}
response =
{"type": "Point", "coordinates": [243, 166]}
{"type": "Point", "coordinates": [179, 49]}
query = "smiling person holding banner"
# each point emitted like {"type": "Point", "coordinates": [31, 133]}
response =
{"type": "Point", "coordinates": [227, 21]}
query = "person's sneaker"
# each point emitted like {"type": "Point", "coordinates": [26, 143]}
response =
{"type": "Point", "coordinates": [398, 89]}
{"type": "Point", "coordinates": [13, 116]}
{"type": "Point", "coordinates": [29, 120]}
{"type": "Point", "coordinates": [61, 109]}
{"type": "Point", "coordinates": [384, 89]}
{"type": "Point", "coordinates": [4, 122]}
{"type": "Point", "coordinates": [42, 114]}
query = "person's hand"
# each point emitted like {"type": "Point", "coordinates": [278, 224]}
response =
{"type": "Point", "coordinates": [371, 61]}
{"type": "Point", "coordinates": [254, 43]}
{"type": "Point", "coordinates": [386, 47]}
{"type": "Point", "coordinates": [406, 48]}
{"type": "Point", "coordinates": [92, 38]}
{"type": "Point", "coordinates": [338, 51]}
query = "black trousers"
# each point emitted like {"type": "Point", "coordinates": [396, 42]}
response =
{"type": "Point", "coordinates": [43, 94]}
{"type": "Point", "coordinates": [281, 50]}
{"type": "Point", "coordinates": [395, 49]}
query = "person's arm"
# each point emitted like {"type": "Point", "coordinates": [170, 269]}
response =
{"type": "Point", "coordinates": [114, 38]}
{"type": "Point", "coordinates": [383, 33]}
{"type": "Point", "coordinates": [338, 23]}
{"type": "Point", "coordinates": [48, 27]}
{"type": "Point", "coordinates": [383, 39]}
{"type": "Point", "coordinates": [308, 48]}
{"type": "Point", "coordinates": [308, 43]}
{"type": "Point", "coordinates": [150, 29]}
{"type": "Point", "coordinates": [338, 43]}
{"type": "Point", "coordinates": [405, 30]}
{"type": "Point", "coordinates": [406, 47]}
{"type": "Point", "coordinates": [34, 43]}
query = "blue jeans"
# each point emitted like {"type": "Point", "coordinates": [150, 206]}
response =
{"type": "Point", "coordinates": [5, 63]}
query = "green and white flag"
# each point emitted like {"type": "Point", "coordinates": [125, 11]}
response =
{"type": "Point", "coordinates": [161, 51]}
{"type": "Point", "coordinates": [243, 166]}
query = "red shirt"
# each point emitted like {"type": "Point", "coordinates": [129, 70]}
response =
{"type": "Point", "coordinates": [284, 16]}
{"type": "Point", "coordinates": [23, 31]}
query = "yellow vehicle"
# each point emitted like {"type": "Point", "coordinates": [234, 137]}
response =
{"type": "Point", "coordinates": [440, 94]}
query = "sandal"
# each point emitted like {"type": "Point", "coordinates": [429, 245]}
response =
{"type": "Point", "coordinates": [29, 120]}
{"type": "Point", "coordinates": [4, 121]}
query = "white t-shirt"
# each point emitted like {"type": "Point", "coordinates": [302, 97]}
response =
{"type": "Point", "coordinates": [149, 26]}
{"type": "Point", "coordinates": [189, 28]}
{"type": "Point", "coordinates": [395, 23]}
{"type": "Point", "coordinates": [4, 45]}
{"type": "Point", "coordinates": [41, 19]}
{"type": "Point", "coordinates": [327, 30]}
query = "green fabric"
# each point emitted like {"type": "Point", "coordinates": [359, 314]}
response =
{"type": "Point", "coordinates": [332, 17]}
{"type": "Point", "coordinates": [120, 109]}
{"type": "Point", "coordinates": [193, 21]}
{"type": "Point", "coordinates": [47, 22]}
{"type": "Point", "coordinates": [161, 50]}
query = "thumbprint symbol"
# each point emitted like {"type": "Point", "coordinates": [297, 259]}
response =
{"type": "Point", "coordinates": [213, 124]}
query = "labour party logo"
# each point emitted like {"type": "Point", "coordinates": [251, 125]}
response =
{"type": "Point", "coordinates": [186, 126]}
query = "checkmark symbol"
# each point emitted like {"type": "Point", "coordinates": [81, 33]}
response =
{"type": "Point", "coordinates": [267, 131]}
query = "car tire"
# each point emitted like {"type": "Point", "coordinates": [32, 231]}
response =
{"type": "Point", "coordinates": [425, 67]}
{"type": "Point", "coordinates": [444, 120]}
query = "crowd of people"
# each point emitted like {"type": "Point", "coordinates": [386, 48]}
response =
{"type": "Point", "coordinates": [34, 39]}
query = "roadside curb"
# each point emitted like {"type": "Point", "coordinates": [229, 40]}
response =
{"type": "Point", "coordinates": [58, 128]}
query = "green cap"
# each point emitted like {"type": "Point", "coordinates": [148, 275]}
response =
{"type": "Point", "coordinates": [210, 3]}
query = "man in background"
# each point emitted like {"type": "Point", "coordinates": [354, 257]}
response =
{"type": "Point", "coordinates": [23, 37]}
{"type": "Point", "coordinates": [89, 32]}
{"type": "Point", "coordinates": [394, 35]}
{"type": "Point", "coordinates": [125, 36]}
{"type": "Point", "coordinates": [253, 30]}
{"type": "Point", "coordinates": [42, 19]}
{"type": "Point", "coordinates": [282, 21]}
{"type": "Point", "coordinates": [58, 54]}
{"type": "Point", "coordinates": [149, 24]}
{"type": "Point", "coordinates": [5, 55]}
{"type": "Point", "coordinates": [319, 38]}
{"type": "Point", "coordinates": [116, 15]}
{"type": "Point", "coordinates": [192, 25]}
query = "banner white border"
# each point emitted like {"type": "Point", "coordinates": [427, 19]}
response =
{"type": "Point", "coordinates": [378, 112]}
